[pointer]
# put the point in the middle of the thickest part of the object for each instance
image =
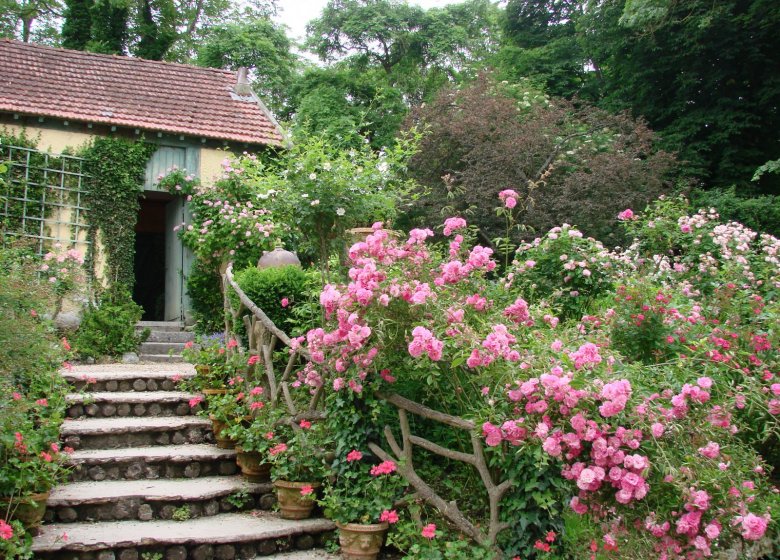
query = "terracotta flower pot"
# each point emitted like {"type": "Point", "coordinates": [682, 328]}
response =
{"type": "Point", "coordinates": [217, 426]}
{"type": "Point", "coordinates": [200, 369]}
{"type": "Point", "coordinates": [292, 503]}
{"type": "Point", "coordinates": [28, 509]}
{"type": "Point", "coordinates": [212, 392]}
{"type": "Point", "coordinates": [361, 541]}
{"type": "Point", "coordinates": [252, 466]}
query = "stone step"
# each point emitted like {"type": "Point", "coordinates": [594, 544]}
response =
{"type": "Point", "coordinates": [116, 500]}
{"type": "Point", "coordinates": [160, 325]}
{"type": "Point", "coordinates": [225, 536]}
{"type": "Point", "coordinates": [129, 403]}
{"type": "Point", "coordinates": [171, 336]}
{"type": "Point", "coordinates": [161, 358]}
{"type": "Point", "coordinates": [135, 463]}
{"type": "Point", "coordinates": [115, 433]}
{"type": "Point", "coordinates": [161, 348]}
{"type": "Point", "coordinates": [127, 377]}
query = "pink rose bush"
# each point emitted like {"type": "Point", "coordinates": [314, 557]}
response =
{"type": "Point", "coordinates": [638, 387]}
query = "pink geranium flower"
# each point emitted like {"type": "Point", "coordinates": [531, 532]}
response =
{"type": "Point", "coordinates": [429, 531]}
{"type": "Point", "coordinates": [354, 455]}
{"type": "Point", "coordinates": [307, 490]}
{"type": "Point", "coordinates": [389, 516]}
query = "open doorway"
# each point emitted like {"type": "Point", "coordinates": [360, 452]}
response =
{"type": "Point", "coordinates": [150, 254]}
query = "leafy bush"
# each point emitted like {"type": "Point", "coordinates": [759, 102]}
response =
{"type": "Point", "coordinates": [204, 288]}
{"type": "Point", "coordinates": [756, 211]}
{"type": "Point", "coordinates": [569, 161]}
{"type": "Point", "coordinates": [32, 392]}
{"type": "Point", "coordinates": [108, 329]}
{"type": "Point", "coordinates": [276, 290]}
{"type": "Point", "coordinates": [655, 417]}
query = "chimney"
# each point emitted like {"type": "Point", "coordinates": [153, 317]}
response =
{"type": "Point", "coordinates": [242, 83]}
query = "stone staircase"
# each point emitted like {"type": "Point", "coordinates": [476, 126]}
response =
{"type": "Point", "coordinates": [165, 343]}
{"type": "Point", "coordinates": [147, 484]}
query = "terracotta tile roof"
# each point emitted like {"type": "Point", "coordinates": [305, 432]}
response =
{"type": "Point", "coordinates": [129, 92]}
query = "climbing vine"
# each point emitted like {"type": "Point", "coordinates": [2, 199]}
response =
{"type": "Point", "coordinates": [117, 168]}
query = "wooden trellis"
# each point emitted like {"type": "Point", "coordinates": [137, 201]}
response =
{"type": "Point", "coordinates": [42, 198]}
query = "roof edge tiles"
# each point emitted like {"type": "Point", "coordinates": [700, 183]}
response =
{"type": "Point", "coordinates": [38, 80]}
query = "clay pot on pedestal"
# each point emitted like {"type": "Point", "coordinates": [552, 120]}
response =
{"type": "Point", "coordinates": [361, 541]}
{"type": "Point", "coordinates": [292, 503]}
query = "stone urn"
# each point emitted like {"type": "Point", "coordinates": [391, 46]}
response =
{"type": "Point", "coordinates": [278, 257]}
{"type": "Point", "coordinates": [292, 503]}
{"type": "Point", "coordinates": [361, 541]}
{"type": "Point", "coordinates": [252, 466]}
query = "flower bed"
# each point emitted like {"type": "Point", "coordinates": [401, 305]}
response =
{"type": "Point", "coordinates": [639, 387]}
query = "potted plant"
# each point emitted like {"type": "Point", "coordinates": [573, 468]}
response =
{"type": "Point", "coordinates": [360, 498]}
{"type": "Point", "coordinates": [30, 466]}
{"type": "Point", "coordinates": [298, 466]}
{"type": "Point", "coordinates": [210, 358]}
{"type": "Point", "coordinates": [254, 440]}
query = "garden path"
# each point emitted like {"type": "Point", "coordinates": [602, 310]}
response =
{"type": "Point", "coordinates": [148, 483]}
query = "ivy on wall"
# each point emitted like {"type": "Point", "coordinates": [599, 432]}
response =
{"type": "Point", "coordinates": [117, 168]}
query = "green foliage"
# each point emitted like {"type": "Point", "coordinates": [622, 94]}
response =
{"type": "Point", "coordinates": [746, 206]}
{"type": "Point", "coordinates": [204, 288]}
{"type": "Point", "coordinates": [565, 269]}
{"type": "Point", "coordinates": [320, 190]}
{"type": "Point", "coordinates": [255, 43]}
{"type": "Point", "coordinates": [418, 50]}
{"type": "Point", "coordinates": [276, 290]}
{"type": "Point", "coordinates": [27, 343]}
{"type": "Point", "coordinates": [227, 223]}
{"type": "Point", "coordinates": [19, 546]}
{"type": "Point", "coordinates": [117, 168]}
{"type": "Point", "coordinates": [108, 329]}
{"type": "Point", "coordinates": [77, 27]}
{"type": "Point", "coordinates": [541, 43]}
{"type": "Point", "coordinates": [347, 104]}
{"type": "Point", "coordinates": [24, 178]}
{"type": "Point", "coordinates": [700, 72]}
{"type": "Point", "coordinates": [569, 162]}
{"type": "Point", "coordinates": [156, 28]}
{"type": "Point", "coordinates": [181, 513]}
{"type": "Point", "coordinates": [302, 456]}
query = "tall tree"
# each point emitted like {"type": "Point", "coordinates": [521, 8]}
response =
{"type": "Point", "coordinates": [540, 43]}
{"type": "Point", "coordinates": [256, 43]}
{"type": "Point", "coordinates": [704, 74]}
{"type": "Point", "coordinates": [30, 20]}
{"type": "Point", "coordinates": [155, 28]}
{"type": "Point", "coordinates": [77, 27]}
{"type": "Point", "coordinates": [109, 27]}
{"type": "Point", "coordinates": [418, 50]}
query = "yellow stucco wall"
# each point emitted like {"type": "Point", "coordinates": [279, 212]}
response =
{"type": "Point", "coordinates": [211, 164]}
{"type": "Point", "coordinates": [53, 140]}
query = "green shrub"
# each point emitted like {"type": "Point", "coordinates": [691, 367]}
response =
{"type": "Point", "coordinates": [203, 287]}
{"type": "Point", "coordinates": [28, 345]}
{"type": "Point", "coordinates": [275, 290]}
{"type": "Point", "coordinates": [758, 212]}
{"type": "Point", "coordinates": [108, 329]}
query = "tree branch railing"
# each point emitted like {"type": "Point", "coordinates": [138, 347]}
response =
{"type": "Point", "coordinates": [403, 456]}
{"type": "Point", "coordinates": [263, 336]}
